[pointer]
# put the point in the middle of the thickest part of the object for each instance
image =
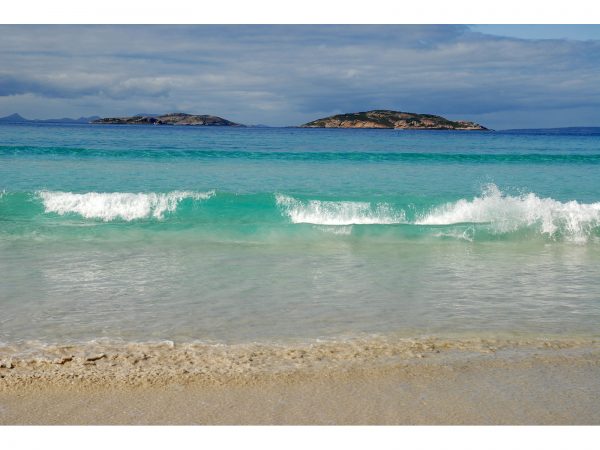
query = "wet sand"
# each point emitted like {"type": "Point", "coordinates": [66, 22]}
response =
{"type": "Point", "coordinates": [374, 382]}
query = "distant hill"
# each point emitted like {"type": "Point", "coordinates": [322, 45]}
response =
{"type": "Point", "coordinates": [180, 119]}
{"type": "Point", "coordinates": [13, 118]}
{"type": "Point", "coordinates": [392, 119]}
{"type": "Point", "coordinates": [17, 118]}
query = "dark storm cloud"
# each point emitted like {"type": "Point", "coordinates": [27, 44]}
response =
{"type": "Point", "coordinates": [290, 74]}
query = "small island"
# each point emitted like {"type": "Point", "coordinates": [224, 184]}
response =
{"type": "Point", "coordinates": [179, 119]}
{"type": "Point", "coordinates": [392, 119]}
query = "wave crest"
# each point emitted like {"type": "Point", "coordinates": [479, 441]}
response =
{"type": "Point", "coordinates": [338, 213]}
{"type": "Point", "coordinates": [117, 205]}
{"type": "Point", "coordinates": [572, 220]}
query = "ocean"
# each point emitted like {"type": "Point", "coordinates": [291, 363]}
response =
{"type": "Point", "coordinates": [276, 235]}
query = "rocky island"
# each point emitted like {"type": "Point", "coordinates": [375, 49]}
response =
{"type": "Point", "coordinates": [392, 119]}
{"type": "Point", "coordinates": [169, 119]}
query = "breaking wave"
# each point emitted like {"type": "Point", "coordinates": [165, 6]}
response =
{"type": "Point", "coordinates": [117, 205]}
{"type": "Point", "coordinates": [505, 214]}
{"type": "Point", "coordinates": [491, 215]}
{"type": "Point", "coordinates": [338, 213]}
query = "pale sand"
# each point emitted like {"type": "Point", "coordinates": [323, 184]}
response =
{"type": "Point", "coordinates": [359, 382]}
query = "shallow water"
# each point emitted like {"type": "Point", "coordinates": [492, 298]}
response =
{"type": "Point", "coordinates": [236, 235]}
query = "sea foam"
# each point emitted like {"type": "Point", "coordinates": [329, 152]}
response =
{"type": "Point", "coordinates": [505, 213]}
{"type": "Point", "coordinates": [338, 213]}
{"type": "Point", "coordinates": [117, 205]}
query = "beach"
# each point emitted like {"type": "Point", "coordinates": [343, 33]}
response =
{"type": "Point", "coordinates": [375, 382]}
{"type": "Point", "coordinates": [165, 275]}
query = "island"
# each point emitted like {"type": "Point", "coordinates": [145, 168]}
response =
{"type": "Point", "coordinates": [169, 119]}
{"type": "Point", "coordinates": [392, 119]}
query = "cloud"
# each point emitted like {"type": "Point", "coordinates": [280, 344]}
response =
{"type": "Point", "coordinates": [290, 74]}
{"type": "Point", "coordinates": [73, 85]}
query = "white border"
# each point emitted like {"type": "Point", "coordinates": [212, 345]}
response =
{"type": "Point", "coordinates": [302, 438]}
{"type": "Point", "coordinates": [300, 11]}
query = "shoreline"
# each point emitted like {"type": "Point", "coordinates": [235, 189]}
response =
{"type": "Point", "coordinates": [358, 382]}
{"type": "Point", "coordinates": [158, 363]}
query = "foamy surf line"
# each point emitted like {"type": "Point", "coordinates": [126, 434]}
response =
{"type": "Point", "coordinates": [491, 214]}
{"type": "Point", "coordinates": [97, 363]}
{"type": "Point", "coordinates": [319, 212]}
{"type": "Point", "coordinates": [499, 212]}
{"type": "Point", "coordinates": [117, 205]}
{"type": "Point", "coordinates": [506, 214]}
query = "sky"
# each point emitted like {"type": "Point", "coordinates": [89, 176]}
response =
{"type": "Point", "coordinates": [502, 76]}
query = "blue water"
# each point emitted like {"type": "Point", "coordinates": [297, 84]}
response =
{"type": "Point", "coordinates": [242, 234]}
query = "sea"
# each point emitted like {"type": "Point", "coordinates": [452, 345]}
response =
{"type": "Point", "coordinates": [233, 235]}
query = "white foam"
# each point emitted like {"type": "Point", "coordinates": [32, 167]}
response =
{"type": "Point", "coordinates": [506, 213]}
{"type": "Point", "coordinates": [117, 205]}
{"type": "Point", "coordinates": [338, 213]}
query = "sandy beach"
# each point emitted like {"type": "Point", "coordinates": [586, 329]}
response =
{"type": "Point", "coordinates": [372, 381]}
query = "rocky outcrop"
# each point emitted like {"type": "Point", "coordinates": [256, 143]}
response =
{"type": "Point", "coordinates": [392, 119]}
{"type": "Point", "coordinates": [169, 119]}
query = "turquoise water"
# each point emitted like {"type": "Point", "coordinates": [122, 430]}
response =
{"type": "Point", "coordinates": [235, 235]}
